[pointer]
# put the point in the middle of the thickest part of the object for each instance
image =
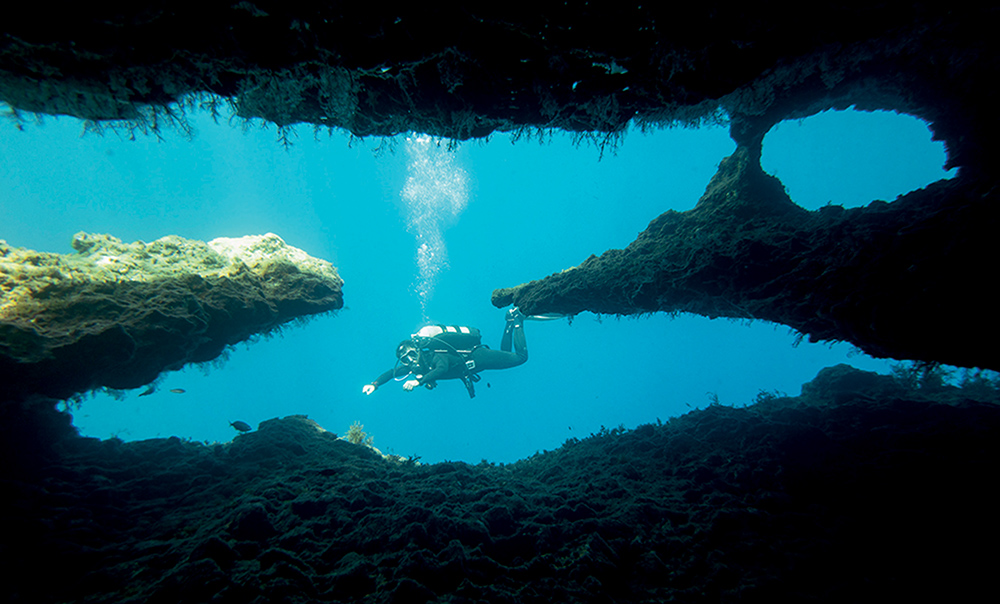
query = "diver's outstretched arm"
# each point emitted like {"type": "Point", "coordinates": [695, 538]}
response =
{"type": "Point", "coordinates": [382, 379]}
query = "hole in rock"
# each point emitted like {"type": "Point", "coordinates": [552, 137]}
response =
{"type": "Point", "coordinates": [851, 158]}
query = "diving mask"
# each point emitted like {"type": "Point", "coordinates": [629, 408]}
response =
{"type": "Point", "coordinates": [410, 357]}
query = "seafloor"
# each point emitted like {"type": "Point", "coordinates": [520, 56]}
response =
{"type": "Point", "coordinates": [861, 489]}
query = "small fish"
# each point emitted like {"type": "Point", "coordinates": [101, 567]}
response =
{"type": "Point", "coordinates": [148, 391]}
{"type": "Point", "coordinates": [241, 426]}
{"type": "Point", "coordinates": [178, 390]}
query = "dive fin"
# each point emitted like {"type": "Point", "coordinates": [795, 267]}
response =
{"type": "Point", "coordinates": [552, 316]}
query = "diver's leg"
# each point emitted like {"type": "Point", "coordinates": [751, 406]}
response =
{"type": "Point", "coordinates": [503, 358]}
{"type": "Point", "coordinates": [508, 332]}
{"type": "Point", "coordinates": [520, 343]}
{"type": "Point", "coordinates": [514, 320]}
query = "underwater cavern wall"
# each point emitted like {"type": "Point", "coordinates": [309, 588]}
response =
{"type": "Point", "coordinates": [901, 280]}
{"type": "Point", "coordinates": [861, 489]}
{"type": "Point", "coordinates": [857, 487]}
{"type": "Point", "coordinates": [594, 68]}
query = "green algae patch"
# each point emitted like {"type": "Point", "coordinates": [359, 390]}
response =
{"type": "Point", "coordinates": [117, 314]}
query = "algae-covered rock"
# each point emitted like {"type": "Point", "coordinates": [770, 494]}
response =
{"type": "Point", "coordinates": [118, 314]}
{"type": "Point", "coordinates": [905, 280]}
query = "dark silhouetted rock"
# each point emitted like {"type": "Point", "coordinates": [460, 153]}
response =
{"type": "Point", "coordinates": [904, 280]}
{"type": "Point", "coordinates": [843, 490]}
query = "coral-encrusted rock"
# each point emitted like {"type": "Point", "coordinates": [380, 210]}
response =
{"type": "Point", "coordinates": [116, 315]}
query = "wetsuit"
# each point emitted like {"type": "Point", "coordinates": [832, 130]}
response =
{"type": "Point", "coordinates": [434, 365]}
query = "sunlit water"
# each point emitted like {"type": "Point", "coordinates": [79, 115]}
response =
{"type": "Point", "coordinates": [422, 233]}
{"type": "Point", "coordinates": [435, 193]}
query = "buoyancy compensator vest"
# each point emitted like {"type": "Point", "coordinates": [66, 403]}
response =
{"type": "Point", "coordinates": [453, 339]}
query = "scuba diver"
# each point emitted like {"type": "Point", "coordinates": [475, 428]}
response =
{"type": "Point", "coordinates": [439, 352]}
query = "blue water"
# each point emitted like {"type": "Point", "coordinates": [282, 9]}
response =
{"type": "Point", "coordinates": [487, 215]}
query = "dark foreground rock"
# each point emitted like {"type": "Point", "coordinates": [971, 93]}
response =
{"type": "Point", "coordinates": [858, 490]}
{"type": "Point", "coordinates": [461, 71]}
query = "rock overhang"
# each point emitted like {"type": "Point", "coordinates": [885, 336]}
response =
{"type": "Point", "coordinates": [116, 315]}
{"type": "Point", "coordinates": [462, 72]}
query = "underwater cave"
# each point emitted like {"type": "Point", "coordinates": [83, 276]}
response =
{"type": "Point", "coordinates": [773, 378]}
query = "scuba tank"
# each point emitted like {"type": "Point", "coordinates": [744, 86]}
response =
{"type": "Point", "coordinates": [448, 338]}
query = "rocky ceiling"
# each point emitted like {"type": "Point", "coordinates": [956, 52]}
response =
{"type": "Point", "coordinates": [908, 279]}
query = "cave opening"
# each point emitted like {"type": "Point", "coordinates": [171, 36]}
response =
{"type": "Point", "coordinates": [851, 157]}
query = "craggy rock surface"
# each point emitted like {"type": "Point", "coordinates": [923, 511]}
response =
{"type": "Point", "coordinates": [463, 71]}
{"type": "Point", "coordinates": [594, 67]}
{"type": "Point", "coordinates": [906, 280]}
{"type": "Point", "coordinates": [116, 315]}
{"type": "Point", "coordinates": [859, 489]}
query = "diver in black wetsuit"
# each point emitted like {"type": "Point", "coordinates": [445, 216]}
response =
{"type": "Point", "coordinates": [446, 362]}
